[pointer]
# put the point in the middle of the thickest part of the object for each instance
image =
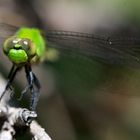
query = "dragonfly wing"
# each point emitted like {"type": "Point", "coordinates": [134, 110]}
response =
{"type": "Point", "coordinates": [114, 50]}
{"type": "Point", "coordinates": [6, 30]}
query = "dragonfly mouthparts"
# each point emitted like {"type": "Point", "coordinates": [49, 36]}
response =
{"type": "Point", "coordinates": [17, 47]}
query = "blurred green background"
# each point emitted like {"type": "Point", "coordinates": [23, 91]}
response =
{"type": "Point", "coordinates": [81, 98]}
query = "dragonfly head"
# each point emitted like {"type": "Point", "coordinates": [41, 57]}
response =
{"type": "Point", "coordinates": [19, 50]}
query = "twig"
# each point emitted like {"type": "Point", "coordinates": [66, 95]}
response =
{"type": "Point", "coordinates": [21, 118]}
{"type": "Point", "coordinates": [38, 132]}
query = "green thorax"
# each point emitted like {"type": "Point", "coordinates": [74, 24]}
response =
{"type": "Point", "coordinates": [35, 36]}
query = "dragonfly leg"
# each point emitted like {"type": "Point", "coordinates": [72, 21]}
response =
{"type": "Point", "coordinates": [36, 82]}
{"type": "Point", "coordinates": [23, 93]}
{"type": "Point", "coordinates": [11, 71]}
{"type": "Point", "coordinates": [11, 76]}
{"type": "Point", "coordinates": [32, 81]}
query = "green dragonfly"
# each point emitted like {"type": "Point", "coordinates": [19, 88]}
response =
{"type": "Point", "coordinates": [27, 46]}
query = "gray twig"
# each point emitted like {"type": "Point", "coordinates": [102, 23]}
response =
{"type": "Point", "coordinates": [21, 118]}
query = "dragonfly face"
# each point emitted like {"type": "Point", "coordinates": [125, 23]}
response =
{"type": "Point", "coordinates": [19, 50]}
{"type": "Point", "coordinates": [25, 45]}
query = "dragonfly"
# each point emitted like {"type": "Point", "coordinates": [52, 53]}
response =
{"type": "Point", "coordinates": [26, 46]}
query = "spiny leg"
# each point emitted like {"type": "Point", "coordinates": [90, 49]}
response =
{"type": "Point", "coordinates": [35, 92]}
{"type": "Point", "coordinates": [11, 76]}
{"type": "Point", "coordinates": [32, 80]}
{"type": "Point", "coordinates": [36, 83]}
{"type": "Point", "coordinates": [11, 71]}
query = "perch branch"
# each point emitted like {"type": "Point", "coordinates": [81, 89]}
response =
{"type": "Point", "coordinates": [11, 117]}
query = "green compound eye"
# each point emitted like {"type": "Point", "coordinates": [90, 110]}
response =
{"type": "Point", "coordinates": [28, 46]}
{"type": "Point", "coordinates": [25, 43]}
{"type": "Point", "coordinates": [9, 44]}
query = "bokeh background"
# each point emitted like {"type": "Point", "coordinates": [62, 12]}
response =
{"type": "Point", "coordinates": [81, 98]}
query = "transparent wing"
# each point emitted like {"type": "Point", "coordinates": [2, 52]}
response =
{"type": "Point", "coordinates": [6, 30]}
{"type": "Point", "coordinates": [113, 49]}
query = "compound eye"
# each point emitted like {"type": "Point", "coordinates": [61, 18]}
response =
{"type": "Point", "coordinates": [28, 46]}
{"type": "Point", "coordinates": [9, 44]}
